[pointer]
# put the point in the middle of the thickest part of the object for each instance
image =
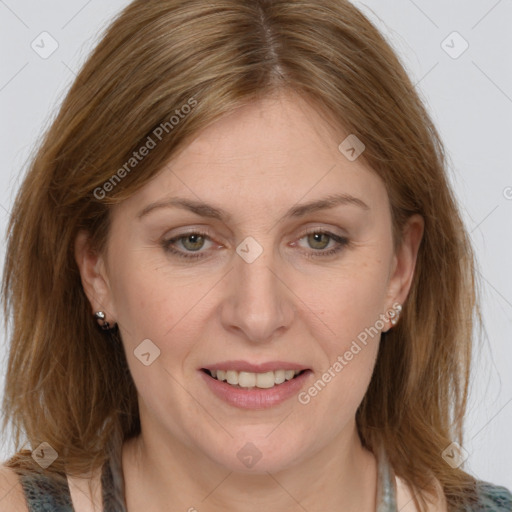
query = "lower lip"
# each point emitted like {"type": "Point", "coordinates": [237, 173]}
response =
{"type": "Point", "coordinates": [256, 398]}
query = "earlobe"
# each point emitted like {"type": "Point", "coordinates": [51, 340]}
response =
{"type": "Point", "coordinates": [94, 277]}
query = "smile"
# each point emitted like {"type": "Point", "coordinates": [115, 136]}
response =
{"type": "Point", "coordinates": [255, 386]}
{"type": "Point", "coordinates": [248, 380]}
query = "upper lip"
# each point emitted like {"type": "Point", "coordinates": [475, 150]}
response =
{"type": "Point", "coordinates": [244, 366]}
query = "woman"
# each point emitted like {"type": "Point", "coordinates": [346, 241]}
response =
{"type": "Point", "coordinates": [247, 282]}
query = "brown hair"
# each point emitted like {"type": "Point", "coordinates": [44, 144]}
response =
{"type": "Point", "coordinates": [65, 384]}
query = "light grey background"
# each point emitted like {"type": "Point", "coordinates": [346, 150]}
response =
{"type": "Point", "coordinates": [470, 98]}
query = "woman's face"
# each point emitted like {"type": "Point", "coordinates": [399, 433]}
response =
{"type": "Point", "coordinates": [231, 260]}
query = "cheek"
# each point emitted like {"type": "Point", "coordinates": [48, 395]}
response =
{"type": "Point", "coordinates": [167, 306]}
{"type": "Point", "coordinates": [350, 304]}
{"type": "Point", "coordinates": [350, 299]}
{"type": "Point", "coordinates": [146, 303]}
{"type": "Point", "coordinates": [351, 314]}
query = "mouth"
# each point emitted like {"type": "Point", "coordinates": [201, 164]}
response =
{"type": "Point", "coordinates": [246, 385]}
{"type": "Point", "coordinates": [254, 380]}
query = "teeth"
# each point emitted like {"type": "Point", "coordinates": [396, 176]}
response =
{"type": "Point", "coordinates": [280, 376]}
{"type": "Point", "coordinates": [246, 379]}
{"type": "Point", "coordinates": [289, 374]}
{"type": "Point", "coordinates": [264, 380]}
{"type": "Point", "coordinates": [232, 377]}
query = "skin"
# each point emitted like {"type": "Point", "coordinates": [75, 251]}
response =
{"type": "Point", "coordinates": [255, 163]}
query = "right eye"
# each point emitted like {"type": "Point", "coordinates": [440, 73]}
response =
{"type": "Point", "coordinates": [191, 243]}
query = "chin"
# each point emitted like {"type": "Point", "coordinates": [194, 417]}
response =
{"type": "Point", "coordinates": [257, 454]}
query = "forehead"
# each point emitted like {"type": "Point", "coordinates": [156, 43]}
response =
{"type": "Point", "coordinates": [281, 129]}
{"type": "Point", "coordinates": [269, 153]}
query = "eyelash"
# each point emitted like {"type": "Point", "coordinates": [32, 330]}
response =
{"type": "Point", "coordinates": [341, 241]}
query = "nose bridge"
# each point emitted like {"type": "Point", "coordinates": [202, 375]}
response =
{"type": "Point", "coordinates": [258, 303]}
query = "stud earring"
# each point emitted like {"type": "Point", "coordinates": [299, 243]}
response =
{"type": "Point", "coordinates": [394, 314]}
{"type": "Point", "coordinates": [102, 321]}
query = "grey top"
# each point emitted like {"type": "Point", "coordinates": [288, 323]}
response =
{"type": "Point", "coordinates": [43, 494]}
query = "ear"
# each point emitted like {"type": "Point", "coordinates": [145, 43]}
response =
{"type": "Point", "coordinates": [93, 272]}
{"type": "Point", "coordinates": [404, 260]}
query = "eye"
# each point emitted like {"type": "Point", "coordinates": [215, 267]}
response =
{"type": "Point", "coordinates": [324, 243]}
{"type": "Point", "coordinates": [318, 240]}
{"type": "Point", "coordinates": [191, 242]}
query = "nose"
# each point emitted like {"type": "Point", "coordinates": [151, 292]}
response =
{"type": "Point", "coordinates": [258, 303]}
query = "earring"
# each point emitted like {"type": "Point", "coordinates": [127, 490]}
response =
{"type": "Point", "coordinates": [394, 314]}
{"type": "Point", "coordinates": [101, 319]}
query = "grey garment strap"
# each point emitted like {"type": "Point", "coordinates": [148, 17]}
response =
{"type": "Point", "coordinates": [46, 494]}
{"type": "Point", "coordinates": [386, 491]}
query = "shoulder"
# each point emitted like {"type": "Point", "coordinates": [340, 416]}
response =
{"type": "Point", "coordinates": [493, 498]}
{"type": "Point", "coordinates": [12, 497]}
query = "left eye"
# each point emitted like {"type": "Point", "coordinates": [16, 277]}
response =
{"type": "Point", "coordinates": [318, 240]}
{"type": "Point", "coordinates": [193, 242]}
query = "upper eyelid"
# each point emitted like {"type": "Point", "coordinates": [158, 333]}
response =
{"type": "Point", "coordinates": [206, 232]}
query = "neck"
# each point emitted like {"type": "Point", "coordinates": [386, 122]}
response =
{"type": "Point", "coordinates": [163, 474]}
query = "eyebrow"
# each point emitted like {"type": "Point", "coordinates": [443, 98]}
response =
{"type": "Point", "coordinates": [210, 211]}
